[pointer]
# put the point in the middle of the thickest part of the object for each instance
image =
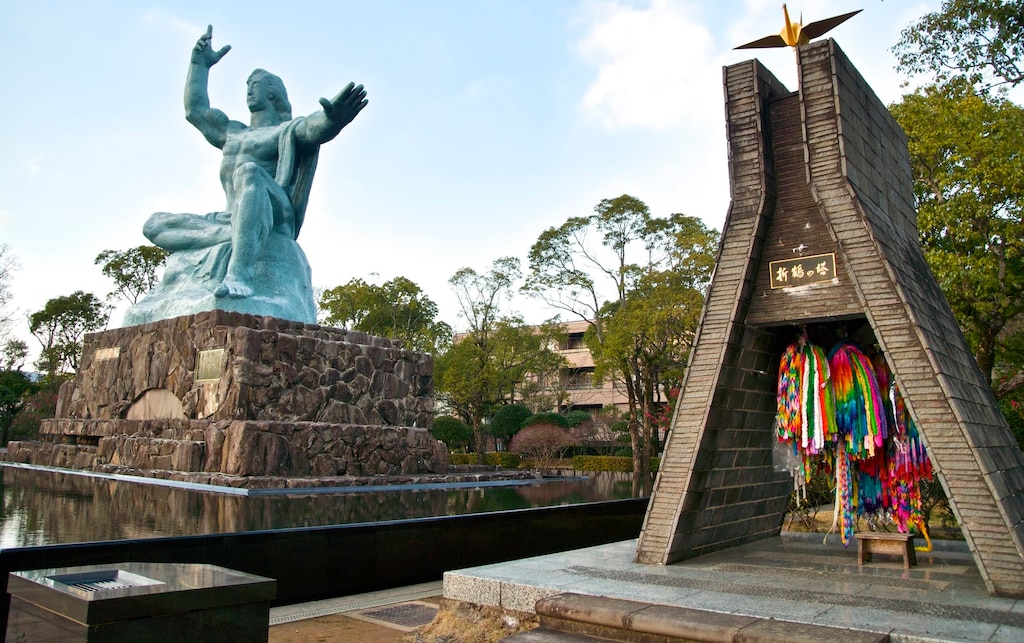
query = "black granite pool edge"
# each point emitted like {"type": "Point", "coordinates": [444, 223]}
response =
{"type": "Point", "coordinates": [315, 563]}
{"type": "Point", "coordinates": [306, 486]}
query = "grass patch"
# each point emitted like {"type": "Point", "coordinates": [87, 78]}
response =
{"type": "Point", "coordinates": [459, 622]}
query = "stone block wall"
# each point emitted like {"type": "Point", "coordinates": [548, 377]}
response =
{"type": "Point", "coordinates": [262, 368]}
{"type": "Point", "coordinates": [234, 399]}
{"type": "Point", "coordinates": [203, 450]}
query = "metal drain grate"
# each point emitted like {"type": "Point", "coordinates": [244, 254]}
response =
{"type": "Point", "coordinates": [103, 580]}
{"type": "Point", "coordinates": [100, 585]}
{"type": "Point", "coordinates": [405, 615]}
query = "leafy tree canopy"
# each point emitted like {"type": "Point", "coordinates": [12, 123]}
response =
{"type": "Point", "coordinates": [13, 355]}
{"type": "Point", "coordinates": [507, 420]}
{"type": "Point", "coordinates": [452, 431]}
{"type": "Point", "coordinates": [548, 417]}
{"type": "Point", "coordinates": [60, 326]}
{"type": "Point", "coordinates": [134, 271]}
{"type": "Point", "coordinates": [463, 378]}
{"type": "Point", "coordinates": [498, 354]}
{"type": "Point", "coordinates": [576, 418]}
{"type": "Point", "coordinates": [398, 309]}
{"type": "Point", "coordinates": [653, 328]}
{"type": "Point", "coordinates": [38, 405]}
{"type": "Point", "coordinates": [15, 386]}
{"type": "Point", "coordinates": [482, 296]}
{"type": "Point", "coordinates": [8, 266]}
{"type": "Point", "coordinates": [639, 281]}
{"type": "Point", "coordinates": [980, 41]}
{"type": "Point", "coordinates": [965, 150]}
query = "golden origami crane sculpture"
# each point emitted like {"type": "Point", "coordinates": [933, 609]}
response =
{"type": "Point", "coordinates": [796, 34]}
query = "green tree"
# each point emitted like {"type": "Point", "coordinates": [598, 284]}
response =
{"type": "Point", "coordinates": [463, 377]}
{"type": "Point", "coordinates": [530, 366]}
{"type": "Point", "coordinates": [38, 405]}
{"type": "Point", "coordinates": [490, 363]}
{"type": "Point", "coordinates": [8, 266]}
{"type": "Point", "coordinates": [965, 151]}
{"type": "Point", "coordinates": [640, 288]}
{"type": "Point", "coordinates": [452, 431]}
{"type": "Point", "coordinates": [650, 334]}
{"type": "Point", "coordinates": [576, 418]}
{"type": "Point", "coordinates": [1010, 378]}
{"type": "Point", "coordinates": [13, 355]}
{"type": "Point", "coordinates": [60, 326]}
{"type": "Point", "coordinates": [397, 309]}
{"type": "Point", "coordinates": [547, 417]}
{"type": "Point", "coordinates": [980, 41]}
{"type": "Point", "coordinates": [134, 271]}
{"type": "Point", "coordinates": [15, 387]}
{"type": "Point", "coordinates": [507, 421]}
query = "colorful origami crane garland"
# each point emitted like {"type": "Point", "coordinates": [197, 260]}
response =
{"type": "Point", "coordinates": [846, 415]}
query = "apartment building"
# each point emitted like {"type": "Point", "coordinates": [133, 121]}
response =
{"type": "Point", "coordinates": [578, 378]}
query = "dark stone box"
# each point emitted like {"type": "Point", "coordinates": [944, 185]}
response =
{"type": "Point", "coordinates": [166, 602]}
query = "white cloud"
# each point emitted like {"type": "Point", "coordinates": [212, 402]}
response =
{"type": "Point", "coordinates": [34, 164]}
{"type": "Point", "coordinates": [654, 65]}
{"type": "Point", "coordinates": [159, 16]}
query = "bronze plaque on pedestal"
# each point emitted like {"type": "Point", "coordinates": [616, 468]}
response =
{"type": "Point", "coordinates": [209, 364]}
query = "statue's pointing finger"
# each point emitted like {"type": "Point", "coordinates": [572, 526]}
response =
{"type": "Point", "coordinates": [203, 51]}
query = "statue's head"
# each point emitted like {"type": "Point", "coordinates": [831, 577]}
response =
{"type": "Point", "coordinates": [272, 88]}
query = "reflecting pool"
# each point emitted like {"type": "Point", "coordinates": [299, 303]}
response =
{"type": "Point", "coordinates": [42, 507]}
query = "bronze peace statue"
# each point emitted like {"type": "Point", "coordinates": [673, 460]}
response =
{"type": "Point", "coordinates": [246, 258]}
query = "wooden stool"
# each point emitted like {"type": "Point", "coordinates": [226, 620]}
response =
{"type": "Point", "coordinates": [885, 543]}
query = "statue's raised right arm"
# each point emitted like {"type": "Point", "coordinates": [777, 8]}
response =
{"type": "Point", "coordinates": [213, 123]}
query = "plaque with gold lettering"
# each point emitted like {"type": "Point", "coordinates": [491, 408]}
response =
{"type": "Point", "coordinates": [813, 269]}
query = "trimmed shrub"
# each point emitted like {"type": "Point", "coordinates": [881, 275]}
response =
{"type": "Point", "coordinates": [556, 419]}
{"type": "Point", "coordinates": [502, 459]}
{"type": "Point", "coordinates": [455, 433]}
{"type": "Point", "coordinates": [576, 418]}
{"type": "Point", "coordinates": [507, 421]}
{"type": "Point", "coordinates": [541, 443]}
{"type": "Point", "coordinates": [608, 463]}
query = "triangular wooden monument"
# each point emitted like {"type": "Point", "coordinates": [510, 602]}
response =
{"type": "Point", "coordinates": [824, 172]}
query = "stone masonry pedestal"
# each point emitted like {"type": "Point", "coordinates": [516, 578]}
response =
{"type": "Point", "coordinates": [240, 400]}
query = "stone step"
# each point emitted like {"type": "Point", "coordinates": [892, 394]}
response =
{"type": "Point", "coordinates": [596, 618]}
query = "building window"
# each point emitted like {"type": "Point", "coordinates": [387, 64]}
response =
{"type": "Point", "coordinates": [573, 342]}
{"type": "Point", "coordinates": [577, 378]}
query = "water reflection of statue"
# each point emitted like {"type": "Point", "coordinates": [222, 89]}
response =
{"type": "Point", "coordinates": [248, 251]}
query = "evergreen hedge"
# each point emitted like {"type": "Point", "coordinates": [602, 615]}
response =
{"type": "Point", "coordinates": [502, 459]}
{"type": "Point", "coordinates": [608, 463]}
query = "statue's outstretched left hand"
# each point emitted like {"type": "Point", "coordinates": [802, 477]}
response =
{"type": "Point", "coordinates": [344, 107]}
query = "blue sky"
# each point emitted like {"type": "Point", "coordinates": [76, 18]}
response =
{"type": "Point", "coordinates": [489, 121]}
